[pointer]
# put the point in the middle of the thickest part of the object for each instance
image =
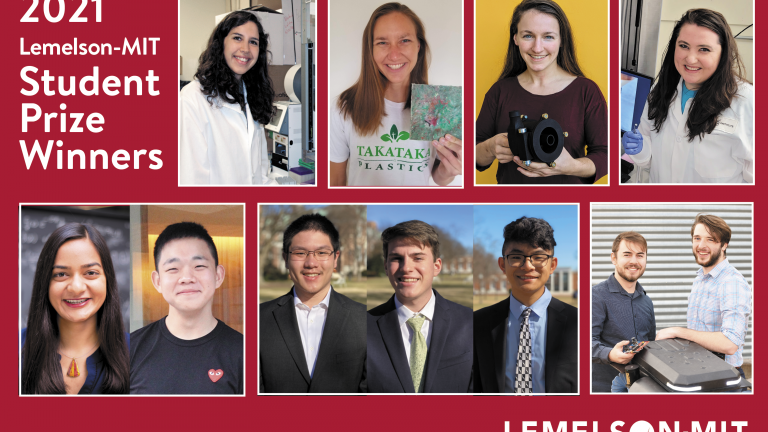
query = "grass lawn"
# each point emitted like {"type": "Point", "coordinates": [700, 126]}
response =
{"type": "Point", "coordinates": [270, 290]}
{"type": "Point", "coordinates": [455, 288]}
{"type": "Point", "coordinates": [490, 299]}
{"type": "Point", "coordinates": [375, 291]}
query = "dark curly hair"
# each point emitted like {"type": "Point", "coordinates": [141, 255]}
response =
{"type": "Point", "coordinates": [218, 81]}
{"type": "Point", "coordinates": [532, 231]}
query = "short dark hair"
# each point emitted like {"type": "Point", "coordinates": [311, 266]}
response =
{"type": "Point", "coordinates": [629, 237]}
{"type": "Point", "coordinates": [311, 222]}
{"type": "Point", "coordinates": [533, 231]}
{"type": "Point", "coordinates": [184, 230]}
{"type": "Point", "coordinates": [417, 231]}
{"type": "Point", "coordinates": [715, 225]}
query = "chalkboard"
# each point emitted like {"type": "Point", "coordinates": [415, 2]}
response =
{"type": "Point", "coordinates": [37, 224]}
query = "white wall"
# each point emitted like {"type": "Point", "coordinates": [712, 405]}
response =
{"type": "Point", "coordinates": [738, 13]}
{"type": "Point", "coordinates": [442, 23]}
{"type": "Point", "coordinates": [195, 27]}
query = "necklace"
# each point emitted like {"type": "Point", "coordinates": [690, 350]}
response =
{"type": "Point", "coordinates": [74, 370]}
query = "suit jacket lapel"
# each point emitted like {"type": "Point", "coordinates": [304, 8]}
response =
{"type": "Point", "coordinates": [334, 326]}
{"type": "Point", "coordinates": [498, 333]}
{"type": "Point", "coordinates": [389, 327]}
{"type": "Point", "coordinates": [555, 329]}
{"type": "Point", "coordinates": [441, 327]}
{"type": "Point", "coordinates": [285, 316]}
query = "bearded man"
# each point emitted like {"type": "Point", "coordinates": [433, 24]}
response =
{"type": "Point", "coordinates": [720, 300]}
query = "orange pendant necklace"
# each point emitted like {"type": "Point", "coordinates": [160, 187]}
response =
{"type": "Point", "coordinates": [74, 371]}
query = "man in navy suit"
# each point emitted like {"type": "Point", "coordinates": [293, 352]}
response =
{"type": "Point", "coordinates": [418, 342]}
{"type": "Point", "coordinates": [528, 342]}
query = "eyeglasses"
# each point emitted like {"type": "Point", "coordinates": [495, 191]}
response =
{"type": "Point", "coordinates": [537, 260]}
{"type": "Point", "coordinates": [320, 255]}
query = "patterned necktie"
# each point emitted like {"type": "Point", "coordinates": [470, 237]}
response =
{"type": "Point", "coordinates": [523, 374]}
{"type": "Point", "coordinates": [418, 351]}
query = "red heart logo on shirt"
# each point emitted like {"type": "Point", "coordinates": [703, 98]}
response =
{"type": "Point", "coordinates": [215, 375]}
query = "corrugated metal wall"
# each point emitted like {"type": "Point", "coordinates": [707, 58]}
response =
{"type": "Point", "coordinates": [671, 267]}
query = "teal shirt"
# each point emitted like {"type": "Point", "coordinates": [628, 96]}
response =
{"type": "Point", "coordinates": [687, 94]}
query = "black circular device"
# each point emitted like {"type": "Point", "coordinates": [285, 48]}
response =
{"type": "Point", "coordinates": [537, 140]}
{"type": "Point", "coordinates": [547, 140]}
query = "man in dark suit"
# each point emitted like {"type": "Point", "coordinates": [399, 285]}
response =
{"type": "Point", "coordinates": [418, 342]}
{"type": "Point", "coordinates": [312, 338]}
{"type": "Point", "coordinates": [528, 342]}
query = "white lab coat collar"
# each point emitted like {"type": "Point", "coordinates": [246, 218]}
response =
{"type": "Point", "coordinates": [235, 106]}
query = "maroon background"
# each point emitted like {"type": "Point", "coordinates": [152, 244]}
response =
{"type": "Point", "coordinates": [150, 122]}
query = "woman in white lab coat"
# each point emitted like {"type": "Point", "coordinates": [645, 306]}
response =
{"type": "Point", "coordinates": [222, 112]}
{"type": "Point", "coordinates": [697, 126]}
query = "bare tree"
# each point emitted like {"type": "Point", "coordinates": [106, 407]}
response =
{"type": "Point", "coordinates": [350, 220]}
{"type": "Point", "coordinates": [273, 220]}
{"type": "Point", "coordinates": [450, 248]}
{"type": "Point", "coordinates": [484, 263]}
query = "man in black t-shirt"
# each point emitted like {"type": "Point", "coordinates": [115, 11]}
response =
{"type": "Point", "coordinates": [189, 351]}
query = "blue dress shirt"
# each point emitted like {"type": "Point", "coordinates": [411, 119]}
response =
{"type": "Point", "coordinates": [538, 326]}
{"type": "Point", "coordinates": [721, 300]}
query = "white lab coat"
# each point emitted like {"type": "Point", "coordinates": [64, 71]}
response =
{"type": "Point", "coordinates": [724, 156]}
{"type": "Point", "coordinates": [219, 144]}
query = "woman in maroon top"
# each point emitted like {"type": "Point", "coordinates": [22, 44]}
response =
{"type": "Point", "coordinates": [541, 75]}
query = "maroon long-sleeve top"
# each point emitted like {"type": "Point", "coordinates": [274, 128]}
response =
{"type": "Point", "coordinates": [579, 108]}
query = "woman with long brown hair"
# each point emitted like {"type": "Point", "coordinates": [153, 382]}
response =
{"type": "Point", "coordinates": [75, 341]}
{"type": "Point", "coordinates": [541, 75]}
{"type": "Point", "coordinates": [372, 118]}
{"type": "Point", "coordinates": [697, 124]}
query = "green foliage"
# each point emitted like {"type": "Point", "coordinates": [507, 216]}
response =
{"type": "Point", "coordinates": [375, 266]}
{"type": "Point", "coordinates": [273, 273]}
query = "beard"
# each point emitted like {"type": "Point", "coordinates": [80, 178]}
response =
{"type": "Point", "coordinates": [714, 257]}
{"type": "Point", "coordinates": [621, 271]}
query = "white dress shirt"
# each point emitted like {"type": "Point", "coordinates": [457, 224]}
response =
{"type": "Point", "coordinates": [404, 314]}
{"type": "Point", "coordinates": [311, 324]}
